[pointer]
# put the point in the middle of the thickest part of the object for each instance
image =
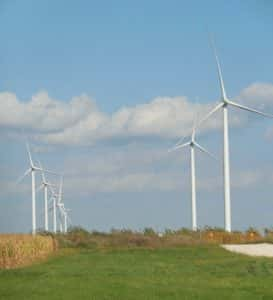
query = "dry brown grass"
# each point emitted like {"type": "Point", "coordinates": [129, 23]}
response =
{"type": "Point", "coordinates": [21, 249]}
{"type": "Point", "coordinates": [81, 238]}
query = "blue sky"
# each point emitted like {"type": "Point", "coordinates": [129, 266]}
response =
{"type": "Point", "coordinates": [126, 52]}
{"type": "Point", "coordinates": [137, 60]}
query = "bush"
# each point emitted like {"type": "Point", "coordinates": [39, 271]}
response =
{"type": "Point", "coordinates": [149, 231]}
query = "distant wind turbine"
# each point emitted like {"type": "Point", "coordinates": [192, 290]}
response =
{"type": "Point", "coordinates": [193, 144]}
{"type": "Point", "coordinates": [45, 185]}
{"type": "Point", "coordinates": [57, 198]}
{"type": "Point", "coordinates": [32, 170]}
{"type": "Point", "coordinates": [64, 217]}
{"type": "Point", "coordinates": [225, 102]}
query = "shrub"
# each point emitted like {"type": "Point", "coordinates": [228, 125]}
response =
{"type": "Point", "coordinates": [149, 231]}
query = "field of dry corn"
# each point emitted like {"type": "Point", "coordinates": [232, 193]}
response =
{"type": "Point", "coordinates": [22, 249]}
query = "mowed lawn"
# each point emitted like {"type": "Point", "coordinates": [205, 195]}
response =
{"type": "Point", "coordinates": [182, 273]}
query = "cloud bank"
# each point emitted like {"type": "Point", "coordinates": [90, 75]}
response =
{"type": "Point", "coordinates": [80, 122]}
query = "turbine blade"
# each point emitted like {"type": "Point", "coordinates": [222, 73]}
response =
{"type": "Point", "coordinates": [48, 171]}
{"type": "Point", "coordinates": [43, 174]}
{"type": "Point", "coordinates": [181, 140]}
{"type": "Point", "coordinates": [194, 125]}
{"type": "Point", "coordinates": [50, 200]}
{"type": "Point", "coordinates": [249, 109]}
{"type": "Point", "coordinates": [218, 106]}
{"type": "Point", "coordinates": [29, 154]}
{"type": "Point", "coordinates": [202, 149]}
{"type": "Point", "coordinates": [220, 76]}
{"type": "Point", "coordinates": [50, 208]}
{"type": "Point", "coordinates": [39, 188]}
{"type": "Point", "coordinates": [51, 189]}
{"type": "Point", "coordinates": [60, 189]}
{"type": "Point", "coordinates": [23, 176]}
{"type": "Point", "coordinates": [179, 146]}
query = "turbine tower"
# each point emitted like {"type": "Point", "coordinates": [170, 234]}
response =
{"type": "Point", "coordinates": [225, 102]}
{"type": "Point", "coordinates": [193, 144]}
{"type": "Point", "coordinates": [65, 220]}
{"type": "Point", "coordinates": [56, 203]}
{"type": "Point", "coordinates": [54, 214]}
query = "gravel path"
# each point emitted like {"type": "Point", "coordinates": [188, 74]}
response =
{"type": "Point", "coordinates": [252, 249]}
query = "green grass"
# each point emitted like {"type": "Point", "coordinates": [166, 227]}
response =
{"type": "Point", "coordinates": [192, 272]}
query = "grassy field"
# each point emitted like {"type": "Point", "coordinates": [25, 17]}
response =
{"type": "Point", "coordinates": [189, 272]}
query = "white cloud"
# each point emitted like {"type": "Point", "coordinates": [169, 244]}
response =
{"type": "Point", "coordinates": [42, 113]}
{"type": "Point", "coordinates": [80, 122]}
{"type": "Point", "coordinates": [259, 95]}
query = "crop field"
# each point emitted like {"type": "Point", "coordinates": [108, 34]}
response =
{"type": "Point", "coordinates": [23, 249]}
{"type": "Point", "coordinates": [185, 272]}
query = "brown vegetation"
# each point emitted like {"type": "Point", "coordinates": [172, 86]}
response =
{"type": "Point", "coordinates": [22, 249]}
{"type": "Point", "coordinates": [78, 237]}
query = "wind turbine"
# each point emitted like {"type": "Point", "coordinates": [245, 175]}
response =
{"type": "Point", "coordinates": [62, 210]}
{"type": "Point", "coordinates": [64, 217]}
{"type": "Point", "coordinates": [45, 185]}
{"type": "Point", "coordinates": [56, 203]}
{"type": "Point", "coordinates": [32, 170]}
{"type": "Point", "coordinates": [52, 209]}
{"type": "Point", "coordinates": [65, 220]}
{"type": "Point", "coordinates": [61, 216]}
{"type": "Point", "coordinates": [55, 200]}
{"type": "Point", "coordinates": [225, 102]}
{"type": "Point", "coordinates": [193, 144]}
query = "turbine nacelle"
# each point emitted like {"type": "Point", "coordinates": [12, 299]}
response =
{"type": "Point", "coordinates": [225, 102]}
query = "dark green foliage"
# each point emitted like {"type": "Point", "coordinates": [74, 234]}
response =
{"type": "Point", "coordinates": [149, 231]}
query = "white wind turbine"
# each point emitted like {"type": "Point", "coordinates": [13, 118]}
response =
{"type": "Point", "coordinates": [61, 215]}
{"type": "Point", "coordinates": [56, 203]}
{"type": "Point", "coordinates": [63, 212]}
{"type": "Point", "coordinates": [64, 217]}
{"type": "Point", "coordinates": [193, 144]}
{"type": "Point", "coordinates": [225, 102]}
{"type": "Point", "coordinates": [32, 170]}
{"type": "Point", "coordinates": [54, 199]}
{"type": "Point", "coordinates": [45, 185]}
